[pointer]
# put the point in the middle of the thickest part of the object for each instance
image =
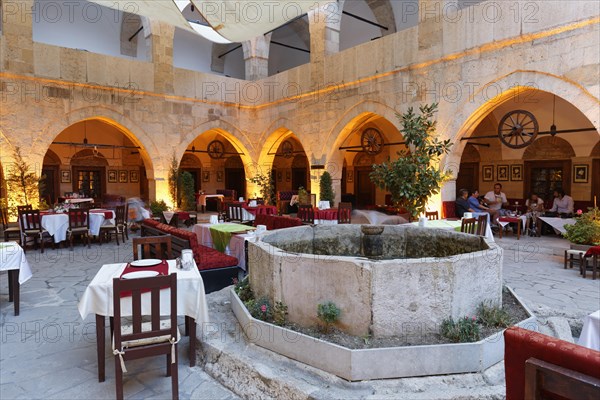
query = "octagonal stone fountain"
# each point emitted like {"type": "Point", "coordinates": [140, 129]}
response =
{"type": "Point", "coordinates": [414, 279]}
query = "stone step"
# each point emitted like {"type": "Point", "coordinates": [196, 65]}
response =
{"type": "Point", "coordinates": [255, 373]}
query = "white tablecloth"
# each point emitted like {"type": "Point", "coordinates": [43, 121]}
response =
{"type": "Point", "coordinates": [79, 200]}
{"type": "Point", "coordinates": [590, 334]}
{"type": "Point", "coordinates": [191, 301]}
{"type": "Point", "coordinates": [12, 257]}
{"type": "Point", "coordinates": [452, 225]}
{"type": "Point", "coordinates": [57, 224]}
{"type": "Point", "coordinates": [558, 223]}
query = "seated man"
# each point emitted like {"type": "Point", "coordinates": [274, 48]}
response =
{"type": "Point", "coordinates": [462, 205]}
{"type": "Point", "coordinates": [563, 203]}
{"type": "Point", "coordinates": [496, 201]}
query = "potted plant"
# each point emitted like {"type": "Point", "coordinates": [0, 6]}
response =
{"type": "Point", "coordinates": [585, 233]}
{"type": "Point", "coordinates": [415, 176]}
{"type": "Point", "coordinates": [303, 196]}
{"type": "Point", "coordinates": [23, 184]}
{"type": "Point", "coordinates": [327, 193]}
{"type": "Point", "coordinates": [186, 191]}
{"type": "Point", "coordinates": [266, 185]}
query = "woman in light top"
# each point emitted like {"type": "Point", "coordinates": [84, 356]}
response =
{"type": "Point", "coordinates": [535, 207]}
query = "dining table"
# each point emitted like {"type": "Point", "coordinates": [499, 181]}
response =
{"type": "Point", "coordinates": [13, 260]}
{"type": "Point", "coordinates": [233, 243]}
{"type": "Point", "coordinates": [590, 333]}
{"type": "Point", "coordinates": [558, 223]}
{"type": "Point", "coordinates": [327, 216]}
{"type": "Point", "coordinates": [98, 299]}
{"type": "Point", "coordinates": [57, 224]}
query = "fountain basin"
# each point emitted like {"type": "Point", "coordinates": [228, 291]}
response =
{"type": "Point", "coordinates": [424, 276]}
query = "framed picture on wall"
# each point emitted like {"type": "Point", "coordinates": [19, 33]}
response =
{"type": "Point", "coordinates": [502, 173]}
{"type": "Point", "coordinates": [580, 173]}
{"type": "Point", "coordinates": [112, 176]}
{"type": "Point", "coordinates": [488, 173]}
{"type": "Point", "coordinates": [65, 176]}
{"type": "Point", "coordinates": [134, 176]}
{"type": "Point", "coordinates": [205, 176]}
{"type": "Point", "coordinates": [288, 176]}
{"type": "Point", "coordinates": [516, 172]}
{"type": "Point", "coordinates": [350, 175]}
{"type": "Point", "coordinates": [123, 176]}
{"type": "Point", "coordinates": [219, 176]}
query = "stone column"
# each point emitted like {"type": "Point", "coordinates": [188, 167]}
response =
{"type": "Point", "coordinates": [17, 54]}
{"type": "Point", "coordinates": [256, 57]}
{"type": "Point", "coordinates": [324, 27]}
{"type": "Point", "coordinates": [161, 46]}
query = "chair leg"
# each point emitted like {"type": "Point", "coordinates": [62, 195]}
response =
{"type": "Point", "coordinates": [71, 241]}
{"type": "Point", "coordinates": [42, 244]}
{"type": "Point", "coordinates": [565, 259]}
{"type": "Point", "coordinates": [118, 378]}
{"type": "Point", "coordinates": [169, 364]}
{"type": "Point", "coordinates": [117, 236]}
{"type": "Point", "coordinates": [174, 377]}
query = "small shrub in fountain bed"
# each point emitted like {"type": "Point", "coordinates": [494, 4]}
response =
{"type": "Point", "coordinates": [329, 314]}
{"type": "Point", "coordinates": [493, 316]}
{"type": "Point", "coordinates": [465, 330]}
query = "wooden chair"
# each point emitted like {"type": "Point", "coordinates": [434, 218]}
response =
{"type": "Point", "coordinates": [235, 213]}
{"type": "Point", "coordinates": [31, 227]}
{"type": "Point", "coordinates": [468, 225]}
{"type": "Point", "coordinates": [153, 338]}
{"type": "Point", "coordinates": [24, 208]}
{"type": "Point", "coordinates": [590, 263]}
{"type": "Point", "coordinates": [306, 213]}
{"type": "Point", "coordinates": [8, 229]}
{"type": "Point", "coordinates": [344, 213]}
{"type": "Point", "coordinates": [544, 380]}
{"type": "Point", "coordinates": [79, 224]}
{"type": "Point", "coordinates": [119, 227]}
{"type": "Point", "coordinates": [481, 225]}
{"type": "Point", "coordinates": [432, 215]}
{"type": "Point", "coordinates": [153, 247]}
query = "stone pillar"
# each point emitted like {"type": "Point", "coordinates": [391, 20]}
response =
{"type": "Point", "coordinates": [161, 46]}
{"type": "Point", "coordinates": [17, 29]}
{"type": "Point", "coordinates": [324, 27]}
{"type": "Point", "coordinates": [430, 23]}
{"type": "Point", "coordinates": [256, 57]}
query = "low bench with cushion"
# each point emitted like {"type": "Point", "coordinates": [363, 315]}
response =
{"type": "Point", "coordinates": [217, 269]}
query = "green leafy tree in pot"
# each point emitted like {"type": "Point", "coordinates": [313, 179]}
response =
{"type": "Point", "coordinates": [415, 176]}
{"type": "Point", "coordinates": [186, 190]}
{"type": "Point", "coordinates": [326, 187]}
{"type": "Point", "coordinates": [23, 184]}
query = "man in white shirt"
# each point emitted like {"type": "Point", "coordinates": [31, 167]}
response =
{"type": "Point", "coordinates": [496, 200]}
{"type": "Point", "coordinates": [563, 204]}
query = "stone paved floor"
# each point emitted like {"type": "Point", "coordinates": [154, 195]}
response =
{"type": "Point", "coordinates": [49, 352]}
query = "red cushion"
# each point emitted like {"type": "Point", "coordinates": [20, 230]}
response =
{"type": "Point", "coordinates": [448, 209]}
{"type": "Point", "coordinates": [593, 251]}
{"type": "Point", "coordinates": [262, 219]}
{"type": "Point", "coordinates": [522, 344]}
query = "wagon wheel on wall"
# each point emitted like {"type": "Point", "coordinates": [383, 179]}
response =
{"type": "Point", "coordinates": [518, 129]}
{"type": "Point", "coordinates": [216, 149]}
{"type": "Point", "coordinates": [372, 141]}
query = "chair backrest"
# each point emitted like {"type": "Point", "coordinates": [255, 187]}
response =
{"type": "Point", "coordinates": [134, 288]}
{"type": "Point", "coordinates": [153, 247]}
{"type": "Point", "coordinates": [234, 212]}
{"type": "Point", "coordinates": [79, 218]}
{"type": "Point", "coordinates": [468, 225]}
{"type": "Point", "coordinates": [481, 225]}
{"type": "Point", "coordinates": [344, 213]}
{"type": "Point", "coordinates": [432, 215]}
{"type": "Point", "coordinates": [24, 208]}
{"type": "Point", "coordinates": [30, 220]}
{"type": "Point", "coordinates": [120, 215]}
{"type": "Point", "coordinates": [306, 213]}
{"type": "Point", "coordinates": [544, 380]}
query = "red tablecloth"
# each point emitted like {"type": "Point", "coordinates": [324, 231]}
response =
{"type": "Point", "coordinates": [329, 214]}
{"type": "Point", "coordinates": [266, 210]}
{"type": "Point", "coordinates": [515, 220]}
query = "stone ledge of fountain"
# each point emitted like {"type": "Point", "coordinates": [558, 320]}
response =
{"type": "Point", "coordinates": [377, 363]}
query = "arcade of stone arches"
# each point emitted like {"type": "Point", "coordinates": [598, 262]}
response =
{"type": "Point", "coordinates": [98, 157]}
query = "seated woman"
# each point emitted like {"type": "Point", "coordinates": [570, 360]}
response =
{"type": "Point", "coordinates": [535, 207]}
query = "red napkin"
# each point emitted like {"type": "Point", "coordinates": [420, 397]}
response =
{"type": "Point", "coordinates": [162, 269]}
{"type": "Point", "coordinates": [593, 251]}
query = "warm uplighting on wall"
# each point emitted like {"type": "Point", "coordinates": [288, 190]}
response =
{"type": "Point", "coordinates": [162, 192]}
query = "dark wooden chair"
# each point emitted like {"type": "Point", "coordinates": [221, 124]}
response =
{"type": "Point", "coordinates": [481, 225]}
{"type": "Point", "coordinates": [235, 213]}
{"type": "Point", "coordinates": [24, 208]}
{"type": "Point", "coordinates": [153, 247]}
{"type": "Point", "coordinates": [118, 228]}
{"type": "Point", "coordinates": [8, 229]}
{"type": "Point", "coordinates": [544, 380]}
{"type": "Point", "coordinates": [79, 224]}
{"type": "Point", "coordinates": [468, 225]}
{"type": "Point", "coordinates": [306, 213]}
{"type": "Point", "coordinates": [432, 215]}
{"type": "Point", "coordinates": [31, 227]}
{"type": "Point", "coordinates": [344, 213]}
{"type": "Point", "coordinates": [148, 339]}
